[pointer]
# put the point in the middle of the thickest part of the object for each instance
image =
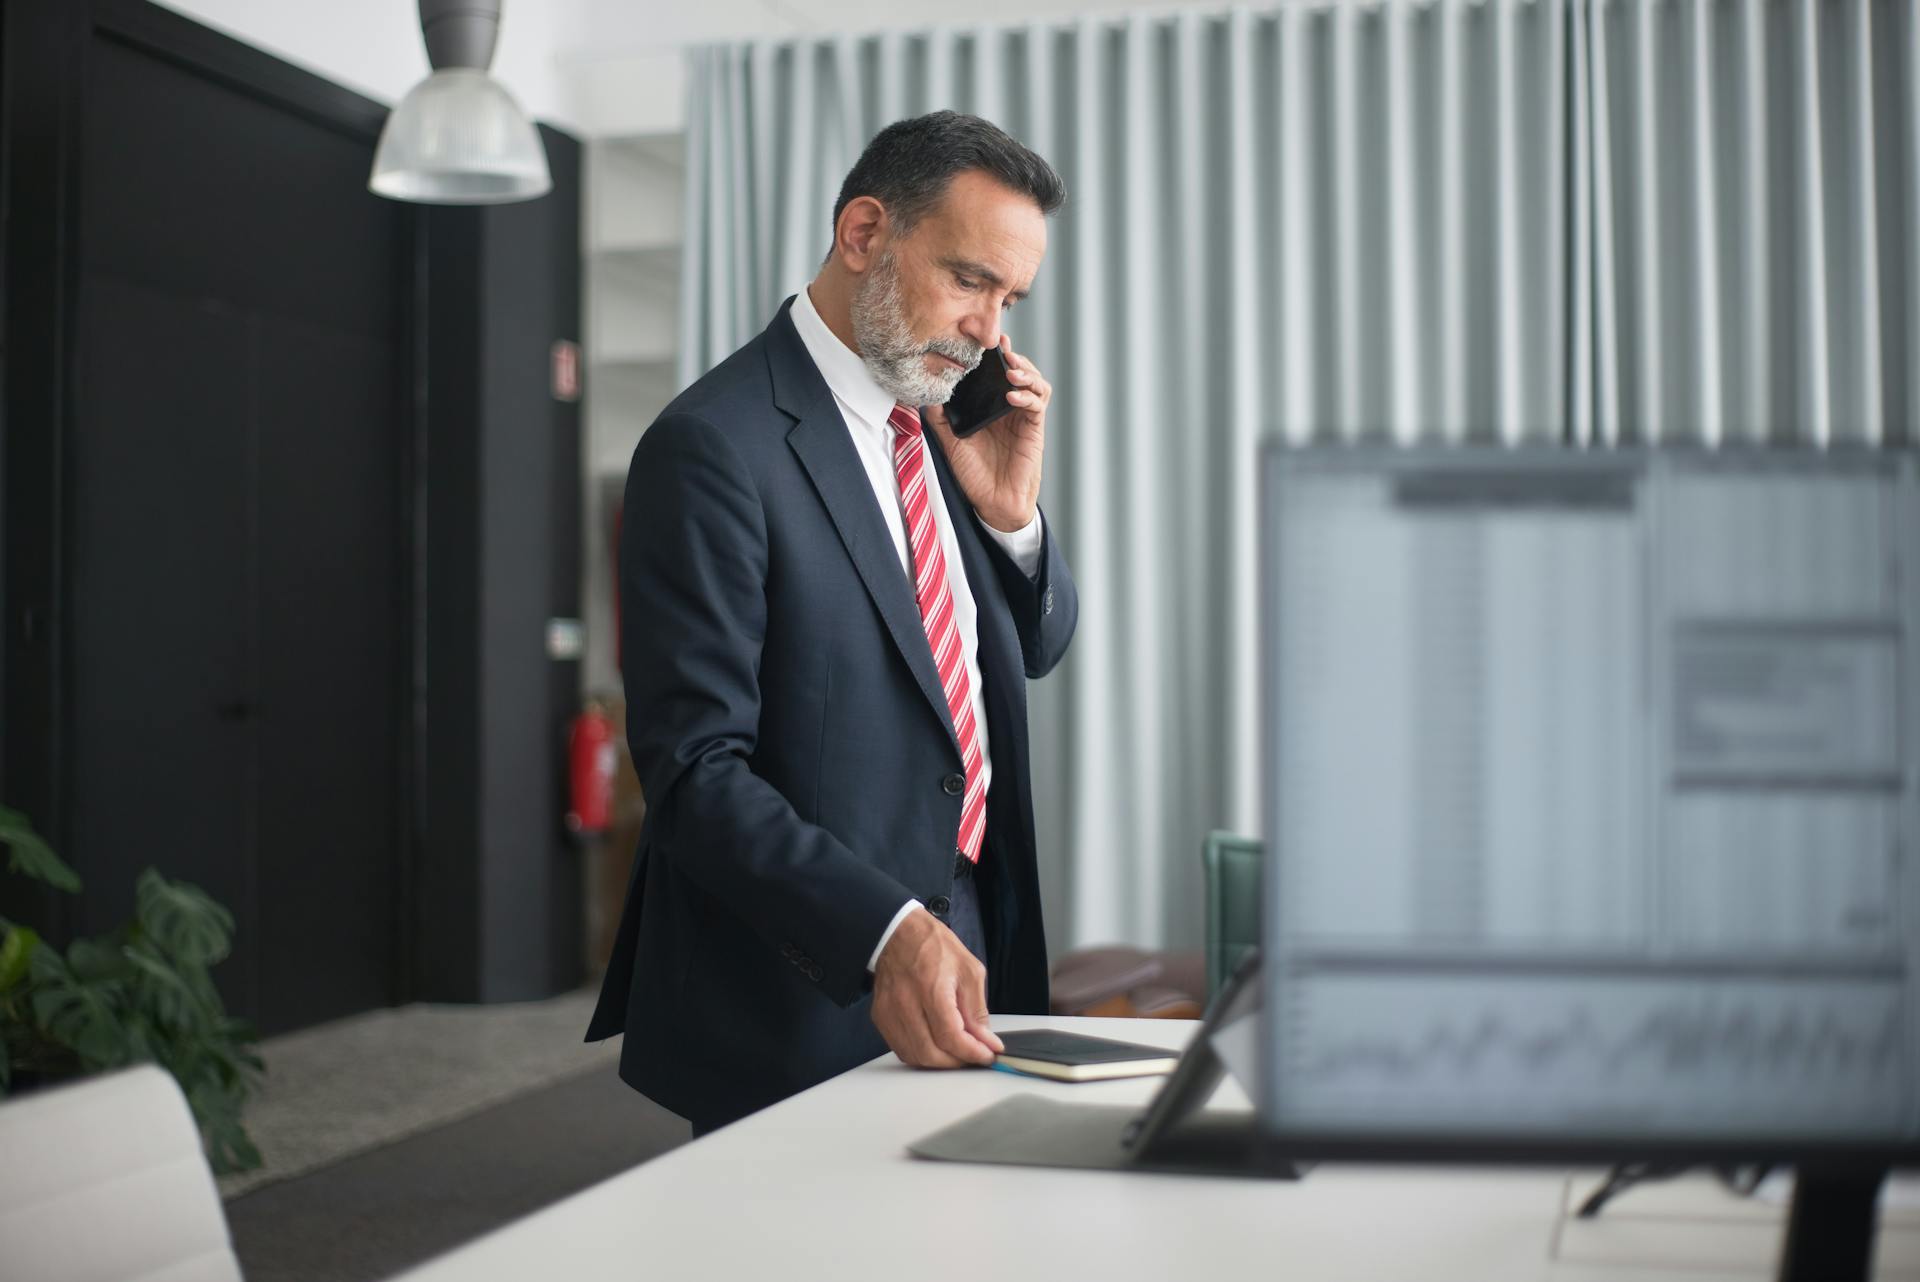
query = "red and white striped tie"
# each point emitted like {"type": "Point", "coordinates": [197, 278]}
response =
{"type": "Point", "coordinates": [936, 613]}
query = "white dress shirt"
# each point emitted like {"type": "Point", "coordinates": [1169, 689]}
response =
{"type": "Point", "coordinates": [865, 405]}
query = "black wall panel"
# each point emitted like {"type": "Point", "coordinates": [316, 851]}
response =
{"type": "Point", "coordinates": [287, 504]}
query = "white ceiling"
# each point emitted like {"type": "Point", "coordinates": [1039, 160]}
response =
{"type": "Point", "coordinates": [595, 67]}
{"type": "Point", "coordinates": [623, 26]}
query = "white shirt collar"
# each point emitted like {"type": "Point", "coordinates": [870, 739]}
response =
{"type": "Point", "coordinates": [847, 375]}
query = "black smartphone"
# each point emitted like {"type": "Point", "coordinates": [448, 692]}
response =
{"type": "Point", "coordinates": [980, 397]}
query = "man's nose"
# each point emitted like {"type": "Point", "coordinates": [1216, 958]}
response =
{"type": "Point", "coordinates": [982, 325]}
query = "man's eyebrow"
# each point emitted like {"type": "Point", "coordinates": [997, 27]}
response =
{"type": "Point", "coordinates": [967, 267]}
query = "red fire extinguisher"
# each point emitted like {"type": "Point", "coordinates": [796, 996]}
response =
{"type": "Point", "coordinates": [590, 764]}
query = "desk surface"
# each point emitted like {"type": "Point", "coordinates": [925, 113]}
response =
{"type": "Point", "coordinates": [821, 1186]}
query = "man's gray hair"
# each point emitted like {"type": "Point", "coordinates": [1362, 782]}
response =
{"type": "Point", "coordinates": [909, 164]}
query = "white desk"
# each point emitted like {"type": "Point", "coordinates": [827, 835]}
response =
{"type": "Point", "coordinates": [821, 1187]}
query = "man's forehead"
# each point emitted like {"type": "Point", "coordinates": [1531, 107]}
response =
{"type": "Point", "coordinates": [990, 231]}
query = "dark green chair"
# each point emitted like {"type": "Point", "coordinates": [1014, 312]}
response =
{"type": "Point", "coordinates": [1233, 903]}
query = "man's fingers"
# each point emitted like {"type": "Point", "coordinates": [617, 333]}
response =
{"type": "Point", "coordinates": [933, 1056]}
{"type": "Point", "coordinates": [936, 1050]}
{"type": "Point", "coordinates": [1024, 374]}
{"type": "Point", "coordinates": [978, 1029]}
{"type": "Point", "coordinates": [950, 1032]}
{"type": "Point", "coordinates": [907, 1035]}
{"type": "Point", "coordinates": [972, 998]}
{"type": "Point", "coordinates": [982, 1032]}
{"type": "Point", "coordinates": [911, 1030]}
{"type": "Point", "coordinates": [949, 1023]}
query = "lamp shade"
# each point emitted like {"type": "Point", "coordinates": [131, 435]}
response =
{"type": "Point", "coordinates": [459, 138]}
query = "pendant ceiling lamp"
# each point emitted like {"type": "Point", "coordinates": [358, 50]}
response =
{"type": "Point", "coordinates": [459, 138]}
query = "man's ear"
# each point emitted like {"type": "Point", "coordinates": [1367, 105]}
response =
{"type": "Point", "coordinates": [860, 233]}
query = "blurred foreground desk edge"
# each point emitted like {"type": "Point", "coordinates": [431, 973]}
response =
{"type": "Point", "coordinates": [822, 1186]}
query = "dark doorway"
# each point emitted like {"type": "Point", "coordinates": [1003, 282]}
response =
{"type": "Point", "coordinates": [238, 574]}
{"type": "Point", "coordinates": [289, 501]}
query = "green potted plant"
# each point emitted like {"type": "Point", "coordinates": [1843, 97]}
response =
{"type": "Point", "coordinates": [140, 994]}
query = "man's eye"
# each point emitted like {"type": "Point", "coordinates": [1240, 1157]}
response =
{"type": "Point", "coordinates": [966, 282]}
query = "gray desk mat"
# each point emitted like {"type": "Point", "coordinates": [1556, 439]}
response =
{"type": "Point", "coordinates": [1031, 1130]}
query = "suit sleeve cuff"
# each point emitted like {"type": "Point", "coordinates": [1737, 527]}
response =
{"type": "Point", "coordinates": [1023, 545]}
{"type": "Point", "coordinates": [887, 934]}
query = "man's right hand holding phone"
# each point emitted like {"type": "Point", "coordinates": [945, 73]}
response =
{"type": "Point", "coordinates": [998, 467]}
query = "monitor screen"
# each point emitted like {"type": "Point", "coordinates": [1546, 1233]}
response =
{"type": "Point", "coordinates": [1589, 799]}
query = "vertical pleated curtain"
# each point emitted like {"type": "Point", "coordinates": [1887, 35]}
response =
{"type": "Point", "coordinates": [1567, 221]}
{"type": "Point", "coordinates": [1750, 273]}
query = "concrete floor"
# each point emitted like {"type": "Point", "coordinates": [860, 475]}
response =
{"type": "Point", "coordinates": [379, 1212]}
{"type": "Point", "coordinates": [344, 1088]}
{"type": "Point", "coordinates": [396, 1135]}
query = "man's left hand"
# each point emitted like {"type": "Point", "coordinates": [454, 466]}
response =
{"type": "Point", "coordinates": [999, 466]}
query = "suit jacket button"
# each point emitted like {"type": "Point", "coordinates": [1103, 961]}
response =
{"type": "Point", "coordinates": [939, 905]}
{"type": "Point", "coordinates": [814, 972]}
{"type": "Point", "coordinates": [954, 785]}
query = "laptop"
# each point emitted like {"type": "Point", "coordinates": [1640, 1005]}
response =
{"type": "Point", "coordinates": [1171, 1135]}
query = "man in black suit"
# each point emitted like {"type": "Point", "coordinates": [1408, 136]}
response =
{"type": "Point", "coordinates": [828, 615]}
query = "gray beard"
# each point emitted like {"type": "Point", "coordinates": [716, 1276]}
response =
{"type": "Point", "coordinates": [895, 358]}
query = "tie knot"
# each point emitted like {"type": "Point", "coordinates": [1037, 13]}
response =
{"type": "Point", "coordinates": [905, 420]}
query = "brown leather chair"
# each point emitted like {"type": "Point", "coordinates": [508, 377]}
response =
{"type": "Point", "coordinates": [1130, 983]}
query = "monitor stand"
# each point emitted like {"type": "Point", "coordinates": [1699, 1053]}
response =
{"type": "Point", "coordinates": [1830, 1225]}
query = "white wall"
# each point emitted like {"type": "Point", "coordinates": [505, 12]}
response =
{"type": "Point", "coordinates": [374, 46]}
{"type": "Point", "coordinates": [597, 68]}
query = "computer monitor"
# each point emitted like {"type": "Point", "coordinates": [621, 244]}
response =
{"type": "Point", "coordinates": [1590, 805]}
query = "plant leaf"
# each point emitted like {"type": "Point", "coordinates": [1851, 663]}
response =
{"type": "Point", "coordinates": [237, 1065]}
{"type": "Point", "coordinates": [143, 1042]}
{"type": "Point", "coordinates": [183, 921]}
{"type": "Point", "coordinates": [197, 978]}
{"type": "Point", "coordinates": [81, 1016]}
{"type": "Point", "coordinates": [16, 955]}
{"type": "Point", "coordinates": [141, 993]}
{"type": "Point", "coordinates": [158, 987]}
{"type": "Point", "coordinates": [93, 960]}
{"type": "Point", "coordinates": [236, 1037]}
{"type": "Point", "coordinates": [217, 1109]}
{"type": "Point", "coordinates": [31, 856]}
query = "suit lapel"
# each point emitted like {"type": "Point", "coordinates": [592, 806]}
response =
{"type": "Point", "coordinates": [824, 449]}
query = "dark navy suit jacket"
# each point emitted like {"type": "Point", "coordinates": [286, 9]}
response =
{"type": "Point", "coordinates": [789, 729]}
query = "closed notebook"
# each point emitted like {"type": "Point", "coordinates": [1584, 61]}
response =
{"type": "Point", "coordinates": [1070, 1057]}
